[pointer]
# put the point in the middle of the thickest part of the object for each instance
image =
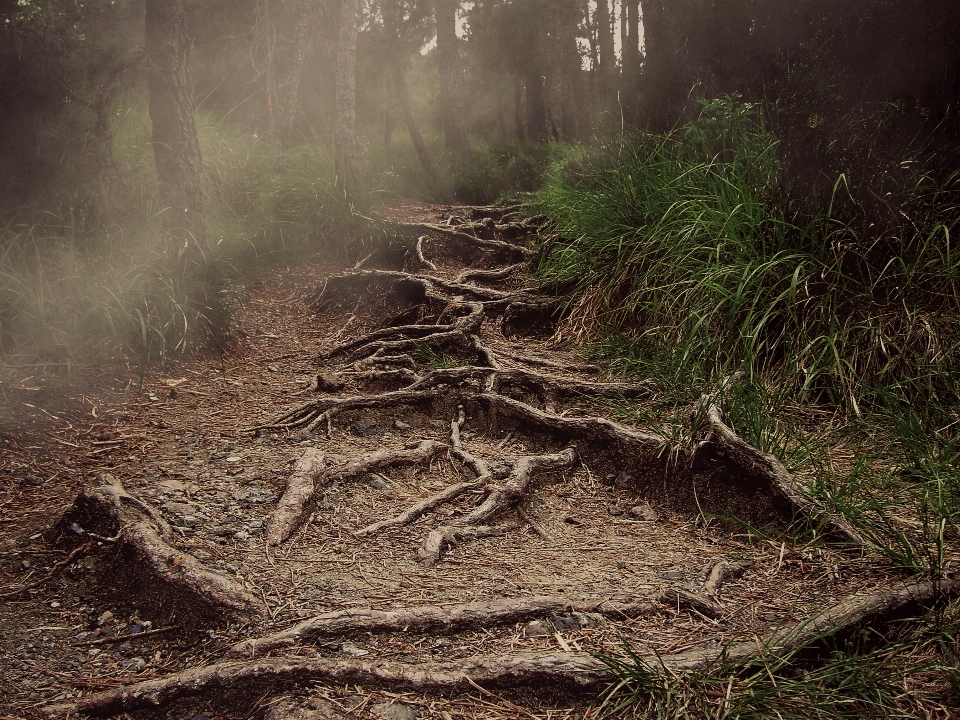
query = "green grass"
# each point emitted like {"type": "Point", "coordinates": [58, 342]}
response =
{"type": "Point", "coordinates": [83, 274]}
{"type": "Point", "coordinates": [687, 243]}
{"type": "Point", "coordinates": [685, 257]}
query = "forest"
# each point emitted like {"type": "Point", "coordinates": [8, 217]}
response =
{"type": "Point", "coordinates": [556, 359]}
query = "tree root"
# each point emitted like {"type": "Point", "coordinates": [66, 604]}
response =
{"type": "Point", "coordinates": [716, 437]}
{"type": "Point", "coordinates": [435, 619]}
{"type": "Point", "coordinates": [578, 672]}
{"type": "Point", "coordinates": [170, 579]}
{"type": "Point", "coordinates": [449, 231]}
{"type": "Point", "coordinates": [423, 261]}
{"type": "Point", "coordinates": [429, 553]}
{"type": "Point", "coordinates": [300, 490]}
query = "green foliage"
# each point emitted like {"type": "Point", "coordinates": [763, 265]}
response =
{"type": "Point", "coordinates": [863, 676]}
{"type": "Point", "coordinates": [686, 242]}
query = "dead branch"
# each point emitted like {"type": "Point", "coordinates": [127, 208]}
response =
{"type": "Point", "coordinates": [720, 573]}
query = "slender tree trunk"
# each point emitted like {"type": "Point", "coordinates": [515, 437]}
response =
{"type": "Point", "coordinates": [631, 62]}
{"type": "Point", "coordinates": [176, 150]}
{"type": "Point", "coordinates": [345, 138]}
{"type": "Point", "coordinates": [536, 105]}
{"type": "Point", "coordinates": [448, 66]}
{"type": "Point", "coordinates": [571, 73]}
{"type": "Point", "coordinates": [403, 97]}
{"type": "Point", "coordinates": [608, 60]}
{"type": "Point", "coordinates": [518, 108]}
{"type": "Point", "coordinates": [299, 51]}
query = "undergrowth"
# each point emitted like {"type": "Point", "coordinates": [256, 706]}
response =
{"type": "Point", "coordinates": [687, 257]}
{"type": "Point", "coordinates": [83, 271]}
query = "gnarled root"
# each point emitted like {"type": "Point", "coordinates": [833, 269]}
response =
{"type": "Point", "coordinates": [434, 618]}
{"type": "Point", "coordinates": [440, 538]}
{"type": "Point", "coordinates": [562, 670]}
{"type": "Point", "coordinates": [174, 582]}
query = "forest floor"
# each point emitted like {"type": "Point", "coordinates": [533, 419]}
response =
{"type": "Point", "coordinates": [391, 498]}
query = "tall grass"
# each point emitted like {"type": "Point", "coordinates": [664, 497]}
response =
{"type": "Point", "coordinates": [82, 269]}
{"type": "Point", "coordinates": [688, 243]}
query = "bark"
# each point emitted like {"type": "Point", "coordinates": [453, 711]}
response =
{"type": "Point", "coordinates": [451, 91]}
{"type": "Point", "coordinates": [571, 74]}
{"type": "Point", "coordinates": [290, 106]}
{"type": "Point", "coordinates": [347, 161]}
{"type": "Point", "coordinates": [437, 619]}
{"type": "Point", "coordinates": [607, 57]}
{"type": "Point", "coordinates": [631, 63]}
{"type": "Point", "coordinates": [176, 150]}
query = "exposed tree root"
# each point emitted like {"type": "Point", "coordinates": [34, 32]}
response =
{"type": "Point", "coordinates": [429, 553]}
{"type": "Point", "coordinates": [560, 670]}
{"type": "Point", "coordinates": [298, 493]}
{"type": "Point", "coordinates": [718, 438]}
{"type": "Point", "coordinates": [423, 261]}
{"type": "Point", "coordinates": [457, 234]}
{"type": "Point", "coordinates": [172, 581]}
{"type": "Point", "coordinates": [436, 618]}
{"type": "Point", "coordinates": [300, 490]}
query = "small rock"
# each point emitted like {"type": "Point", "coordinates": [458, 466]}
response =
{"type": "Point", "coordinates": [152, 398]}
{"type": "Point", "coordinates": [106, 618]}
{"type": "Point", "coordinates": [54, 604]}
{"type": "Point", "coordinates": [241, 535]}
{"type": "Point", "coordinates": [189, 440]}
{"type": "Point", "coordinates": [615, 511]}
{"type": "Point", "coordinates": [571, 520]}
{"type": "Point", "coordinates": [106, 436]}
{"type": "Point", "coordinates": [173, 393]}
{"type": "Point", "coordinates": [234, 459]}
{"type": "Point", "coordinates": [674, 575]}
{"type": "Point", "coordinates": [188, 521]}
{"type": "Point", "coordinates": [401, 425]}
{"type": "Point", "coordinates": [255, 524]}
{"type": "Point", "coordinates": [178, 508]}
{"type": "Point", "coordinates": [25, 564]}
{"type": "Point", "coordinates": [272, 368]}
{"type": "Point", "coordinates": [537, 628]}
{"type": "Point", "coordinates": [351, 650]}
{"type": "Point", "coordinates": [377, 482]}
{"type": "Point", "coordinates": [624, 481]}
{"type": "Point", "coordinates": [138, 628]}
{"type": "Point", "coordinates": [394, 711]}
{"type": "Point", "coordinates": [366, 427]}
{"type": "Point", "coordinates": [565, 623]}
{"type": "Point", "coordinates": [644, 512]}
{"type": "Point", "coordinates": [32, 480]}
{"type": "Point", "coordinates": [329, 382]}
{"type": "Point", "coordinates": [135, 664]}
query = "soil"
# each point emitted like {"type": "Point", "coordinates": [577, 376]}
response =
{"type": "Point", "coordinates": [200, 445]}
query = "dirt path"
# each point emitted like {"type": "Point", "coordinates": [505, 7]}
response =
{"type": "Point", "coordinates": [394, 498]}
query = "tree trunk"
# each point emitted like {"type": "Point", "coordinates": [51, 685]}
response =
{"type": "Point", "coordinates": [631, 63]}
{"type": "Point", "coordinates": [176, 150]}
{"type": "Point", "coordinates": [608, 60]}
{"type": "Point", "coordinates": [345, 138]}
{"type": "Point", "coordinates": [518, 108]}
{"type": "Point", "coordinates": [300, 40]}
{"type": "Point", "coordinates": [571, 73]}
{"type": "Point", "coordinates": [403, 97]}
{"type": "Point", "coordinates": [536, 105]}
{"type": "Point", "coordinates": [448, 66]}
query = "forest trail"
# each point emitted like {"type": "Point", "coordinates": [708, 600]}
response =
{"type": "Point", "coordinates": [399, 495]}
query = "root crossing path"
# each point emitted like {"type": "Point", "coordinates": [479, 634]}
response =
{"type": "Point", "coordinates": [434, 512]}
